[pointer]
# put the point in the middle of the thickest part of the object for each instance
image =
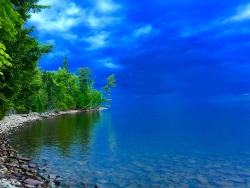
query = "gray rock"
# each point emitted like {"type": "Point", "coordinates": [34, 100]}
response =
{"type": "Point", "coordinates": [29, 186]}
{"type": "Point", "coordinates": [30, 181]}
{"type": "Point", "coordinates": [24, 158]}
{"type": "Point", "coordinates": [31, 165]}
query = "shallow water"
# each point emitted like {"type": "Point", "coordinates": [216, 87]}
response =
{"type": "Point", "coordinates": [145, 146]}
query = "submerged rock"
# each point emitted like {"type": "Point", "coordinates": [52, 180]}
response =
{"type": "Point", "coordinates": [31, 165]}
{"type": "Point", "coordinates": [30, 181]}
{"type": "Point", "coordinates": [24, 159]}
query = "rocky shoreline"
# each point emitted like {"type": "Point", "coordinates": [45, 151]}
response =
{"type": "Point", "coordinates": [19, 171]}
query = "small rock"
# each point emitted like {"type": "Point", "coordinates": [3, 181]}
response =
{"type": "Point", "coordinates": [32, 182]}
{"type": "Point", "coordinates": [29, 186]}
{"type": "Point", "coordinates": [24, 158]}
{"type": "Point", "coordinates": [31, 165]}
{"type": "Point", "coordinates": [57, 182]}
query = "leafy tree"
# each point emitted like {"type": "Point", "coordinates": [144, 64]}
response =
{"type": "Point", "coordinates": [25, 52]}
{"type": "Point", "coordinates": [48, 89]}
{"type": "Point", "coordinates": [85, 80]}
{"type": "Point", "coordinates": [9, 19]}
{"type": "Point", "coordinates": [111, 82]}
{"type": "Point", "coordinates": [86, 85]}
{"type": "Point", "coordinates": [26, 7]}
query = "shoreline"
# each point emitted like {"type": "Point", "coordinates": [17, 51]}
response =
{"type": "Point", "coordinates": [13, 121]}
{"type": "Point", "coordinates": [19, 171]}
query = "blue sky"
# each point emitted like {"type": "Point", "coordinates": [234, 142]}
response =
{"type": "Point", "coordinates": [161, 50]}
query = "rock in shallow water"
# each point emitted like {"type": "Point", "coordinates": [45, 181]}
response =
{"type": "Point", "coordinates": [30, 181]}
{"type": "Point", "coordinates": [31, 165]}
{"type": "Point", "coordinates": [29, 186]}
{"type": "Point", "coordinates": [24, 158]}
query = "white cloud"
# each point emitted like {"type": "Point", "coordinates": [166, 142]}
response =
{"type": "Point", "coordinates": [56, 18]}
{"type": "Point", "coordinates": [50, 41]}
{"type": "Point", "coordinates": [243, 13]}
{"type": "Point", "coordinates": [112, 65]}
{"type": "Point", "coordinates": [58, 53]}
{"type": "Point", "coordinates": [73, 10]}
{"type": "Point", "coordinates": [145, 30]}
{"type": "Point", "coordinates": [99, 16]}
{"type": "Point", "coordinates": [192, 31]}
{"type": "Point", "coordinates": [65, 15]}
{"type": "Point", "coordinates": [93, 21]}
{"type": "Point", "coordinates": [59, 24]}
{"type": "Point", "coordinates": [107, 6]}
{"type": "Point", "coordinates": [97, 41]}
{"type": "Point", "coordinates": [69, 36]}
{"type": "Point", "coordinates": [109, 63]}
{"type": "Point", "coordinates": [99, 22]}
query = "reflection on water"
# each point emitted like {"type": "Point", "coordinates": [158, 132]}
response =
{"type": "Point", "coordinates": [145, 146]}
{"type": "Point", "coordinates": [58, 133]}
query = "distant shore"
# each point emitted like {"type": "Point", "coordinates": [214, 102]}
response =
{"type": "Point", "coordinates": [16, 170]}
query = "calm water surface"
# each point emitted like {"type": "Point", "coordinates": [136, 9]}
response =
{"type": "Point", "coordinates": [145, 146]}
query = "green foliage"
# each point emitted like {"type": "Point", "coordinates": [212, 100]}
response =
{"type": "Point", "coordinates": [8, 21]}
{"type": "Point", "coordinates": [19, 56]}
{"type": "Point", "coordinates": [26, 7]}
{"type": "Point", "coordinates": [111, 82]}
{"type": "Point", "coordinates": [62, 90]}
{"type": "Point", "coordinates": [4, 58]}
{"type": "Point", "coordinates": [9, 18]}
{"type": "Point", "coordinates": [85, 80]}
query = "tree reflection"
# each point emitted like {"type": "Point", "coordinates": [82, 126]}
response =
{"type": "Point", "coordinates": [58, 133]}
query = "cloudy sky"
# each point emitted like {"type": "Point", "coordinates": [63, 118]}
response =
{"type": "Point", "coordinates": [159, 49]}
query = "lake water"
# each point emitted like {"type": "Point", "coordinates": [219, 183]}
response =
{"type": "Point", "coordinates": [145, 146]}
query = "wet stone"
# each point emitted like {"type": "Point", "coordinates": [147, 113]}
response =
{"type": "Point", "coordinates": [16, 177]}
{"type": "Point", "coordinates": [25, 167]}
{"type": "Point", "coordinates": [31, 165]}
{"type": "Point", "coordinates": [30, 181]}
{"type": "Point", "coordinates": [40, 186]}
{"type": "Point", "coordinates": [57, 182]}
{"type": "Point", "coordinates": [24, 158]}
{"type": "Point", "coordinates": [29, 186]}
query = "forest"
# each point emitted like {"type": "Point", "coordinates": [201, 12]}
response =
{"type": "Point", "coordinates": [23, 86]}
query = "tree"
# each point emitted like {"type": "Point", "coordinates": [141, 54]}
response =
{"type": "Point", "coordinates": [9, 19]}
{"type": "Point", "coordinates": [111, 82]}
{"type": "Point", "coordinates": [65, 64]}
{"type": "Point", "coordinates": [26, 7]}
{"type": "Point", "coordinates": [25, 52]}
{"type": "Point", "coordinates": [48, 89]}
